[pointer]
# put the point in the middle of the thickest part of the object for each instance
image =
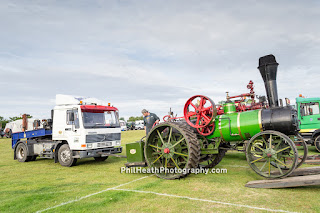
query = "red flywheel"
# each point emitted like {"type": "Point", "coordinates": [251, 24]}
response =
{"type": "Point", "coordinates": [200, 111]}
{"type": "Point", "coordinates": [207, 130]}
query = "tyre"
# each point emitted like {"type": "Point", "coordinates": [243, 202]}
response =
{"type": "Point", "coordinates": [21, 153]}
{"type": "Point", "coordinates": [317, 143]}
{"type": "Point", "coordinates": [65, 156]}
{"type": "Point", "coordinates": [100, 159]}
{"type": "Point", "coordinates": [171, 148]}
{"type": "Point", "coordinates": [209, 160]}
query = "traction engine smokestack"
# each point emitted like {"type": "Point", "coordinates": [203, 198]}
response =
{"type": "Point", "coordinates": [268, 67]}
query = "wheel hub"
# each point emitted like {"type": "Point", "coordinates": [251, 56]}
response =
{"type": "Point", "coordinates": [270, 152]}
{"type": "Point", "coordinates": [168, 151]}
{"type": "Point", "coordinates": [21, 153]}
{"type": "Point", "coordinates": [65, 156]}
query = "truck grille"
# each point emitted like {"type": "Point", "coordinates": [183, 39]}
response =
{"type": "Point", "coordinates": [103, 137]}
{"type": "Point", "coordinates": [103, 144]}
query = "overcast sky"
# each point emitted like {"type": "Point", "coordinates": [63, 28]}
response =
{"type": "Point", "coordinates": [152, 54]}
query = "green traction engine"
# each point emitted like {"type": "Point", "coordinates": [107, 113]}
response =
{"type": "Point", "coordinates": [270, 134]}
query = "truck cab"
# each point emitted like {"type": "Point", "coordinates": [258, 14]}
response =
{"type": "Point", "coordinates": [78, 131]}
{"type": "Point", "coordinates": [309, 116]}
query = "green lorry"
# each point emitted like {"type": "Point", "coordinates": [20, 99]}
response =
{"type": "Point", "coordinates": [309, 116]}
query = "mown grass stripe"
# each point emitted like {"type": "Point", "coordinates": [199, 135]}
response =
{"type": "Point", "coordinates": [90, 195]}
{"type": "Point", "coordinates": [205, 200]}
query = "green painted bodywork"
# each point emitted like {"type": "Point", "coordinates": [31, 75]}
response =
{"type": "Point", "coordinates": [134, 152]}
{"type": "Point", "coordinates": [229, 108]}
{"type": "Point", "coordinates": [249, 123]}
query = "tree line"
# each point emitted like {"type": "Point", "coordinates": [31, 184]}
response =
{"type": "Point", "coordinates": [133, 118]}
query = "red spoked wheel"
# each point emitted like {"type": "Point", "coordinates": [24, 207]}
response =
{"type": "Point", "coordinates": [199, 111]}
{"type": "Point", "coordinates": [207, 130]}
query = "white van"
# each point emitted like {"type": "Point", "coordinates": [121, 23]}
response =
{"type": "Point", "coordinates": [123, 125]}
{"type": "Point", "coordinates": [139, 124]}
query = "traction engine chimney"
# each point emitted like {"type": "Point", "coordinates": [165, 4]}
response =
{"type": "Point", "coordinates": [268, 68]}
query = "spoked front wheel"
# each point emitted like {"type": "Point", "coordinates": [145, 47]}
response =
{"type": "Point", "coordinates": [302, 149]}
{"type": "Point", "coordinates": [172, 149]}
{"type": "Point", "coordinates": [272, 154]}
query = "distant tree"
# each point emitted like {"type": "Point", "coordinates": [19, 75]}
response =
{"type": "Point", "coordinates": [139, 118]}
{"type": "Point", "coordinates": [122, 118]}
{"type": "Point", "coordinates": [3, 122]}
{"type": "Point", "coordinates": [132, 118]}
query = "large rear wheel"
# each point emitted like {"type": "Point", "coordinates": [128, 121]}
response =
{"type": "Point", "coordinates": [172, 149]}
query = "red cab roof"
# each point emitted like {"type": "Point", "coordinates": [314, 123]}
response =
{"type": "Point", "coordinates": [97, 108]}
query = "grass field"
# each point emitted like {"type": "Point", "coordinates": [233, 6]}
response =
{"type": "Point", "coordinates": [96, 187]}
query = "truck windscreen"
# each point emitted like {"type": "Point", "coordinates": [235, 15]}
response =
{"type": "Point", "coordinates": [105, 119]}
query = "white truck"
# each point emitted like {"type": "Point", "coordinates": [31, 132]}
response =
{"type": "Point", "coordinates": [78, 128]}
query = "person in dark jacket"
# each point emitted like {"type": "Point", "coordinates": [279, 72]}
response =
{"type": "Point", "coordinates": [149, 119]}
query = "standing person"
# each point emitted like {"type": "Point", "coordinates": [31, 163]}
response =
{"type": "Point", "coordinates": [149, 119]}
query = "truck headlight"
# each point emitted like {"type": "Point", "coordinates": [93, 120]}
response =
{"type": "Point", "coordinates": [89, 146]}
{"type": "Point", "coordinates": [118, 143]}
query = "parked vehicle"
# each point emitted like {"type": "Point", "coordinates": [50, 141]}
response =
{"type": "Point", "coordinates": [309, 116]}
{"type": "Point", "coordinates": [131, 125]}
{"type": "Point", "coordinates": [123, 125]}
{"type": "Point", "coordinates": [2, 133]}
{"type": "Point", "coordinates": [139, 125]}
{"type": "Point", "coordinates": [78, 128]}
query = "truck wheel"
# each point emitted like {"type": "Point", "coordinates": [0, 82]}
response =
{"type": "Point", "coordinates": [317, 143]}
{"type": "Point", "coordinates": [65, 156]}
{"type": "Point", "coordinates": [21, 153]}
{"type": "Point", "coordinates": [100, 159]}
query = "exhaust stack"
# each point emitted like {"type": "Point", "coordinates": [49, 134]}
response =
{"type": "Point", "coordinates": [268, 67]}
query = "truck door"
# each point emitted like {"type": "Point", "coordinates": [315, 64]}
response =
{"type": "Point", "coordinates": [310, 116]}
{"type": "Point", "coordinates": [72, 128]}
